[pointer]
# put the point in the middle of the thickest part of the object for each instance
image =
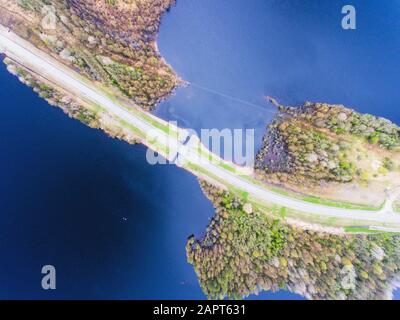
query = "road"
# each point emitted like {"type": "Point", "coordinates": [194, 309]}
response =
{"type": "Point", "coordinates": [41, 63]}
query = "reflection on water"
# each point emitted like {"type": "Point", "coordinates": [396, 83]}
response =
{"type": "Point", "coordinates": [244, 251]}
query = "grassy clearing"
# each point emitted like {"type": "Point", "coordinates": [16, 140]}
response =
{"type": "Point", "coordinates": [239, 193]}
{"type": "Point", "coordinates": [226, 167]}
{"type": "Point", "coordinates": [244, 195]}
{"type": "Point", "coordinates": [361, 230]}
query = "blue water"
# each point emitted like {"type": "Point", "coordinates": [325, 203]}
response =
{"type": "Point", "coordinates": [65, 189]}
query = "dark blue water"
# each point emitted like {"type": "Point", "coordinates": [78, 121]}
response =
{"type": "Point", "coordinates": [65, 189]}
